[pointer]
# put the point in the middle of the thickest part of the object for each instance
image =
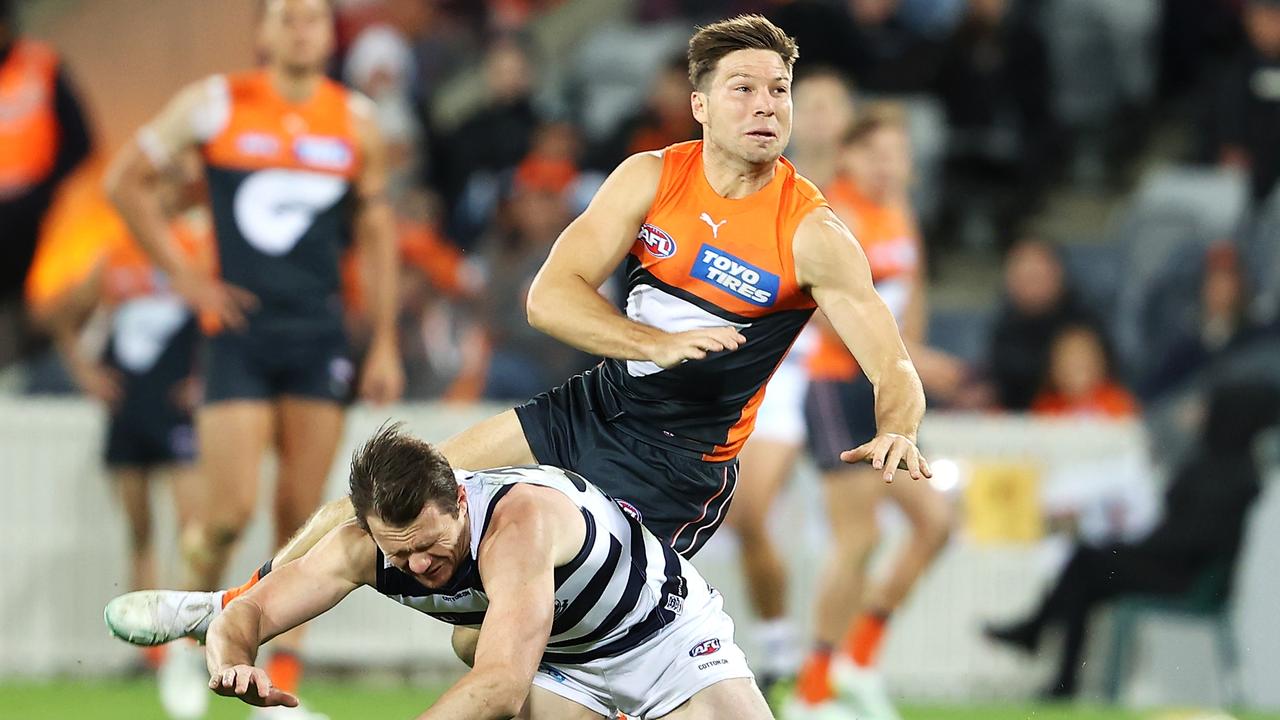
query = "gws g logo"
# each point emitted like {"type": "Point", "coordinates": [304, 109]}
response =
{"type": "Point", "coordinates": [656, 241]}
{"type": "Point", "coordinates": [736, 276]}
{"type": "Point", "coordinates": [706, 647]}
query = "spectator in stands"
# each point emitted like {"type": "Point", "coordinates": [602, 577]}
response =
{"type": "Point", "coordinates": [865, 39]}
{"type": "Point", "coordinates": [522, 359]}
{"type": "Point", "coordinates": [1197, 539]}
{"type": "Point", "coordinates": [1245, 110]}
{"type": "Point", "coordinates": [1222, 324]}
{"type": "Point", "coordinates": [995, 84]}
{"type": "Point", "coordinates": [493, 139]}
{"type": "Point", "coordinates": [1038, 304]}
{"type": "Point", "coordinates": [43, 138]}
{"type": "Point", "coordinates": [381, 65]}
{"type": "Point", "coordinates": [664, 120]}
{"type": "Point", "coordinates": [1079, 381]}
{"type": "Point", "coordinates": [824, 111]}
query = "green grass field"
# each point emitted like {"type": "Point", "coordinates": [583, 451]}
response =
{"type": "Point", "coordinates": [136, 700]}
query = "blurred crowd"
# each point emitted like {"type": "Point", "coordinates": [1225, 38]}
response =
{"type": "Point", "coordinates": [499, 138]}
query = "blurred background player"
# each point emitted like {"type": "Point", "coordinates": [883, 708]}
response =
{"type": "Point", "coordinates": [43, 138]}
{"type": "Point", "coordinates": [823, 113]}
{"type": "Point", "coordinates": [871, 196]}
{"type": "Point", "coordinates": [295, 169]}
{"type": "Point", "coordinates": [88, 273]}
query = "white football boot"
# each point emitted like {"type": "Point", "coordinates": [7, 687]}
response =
{"type": "Point", "coordinates": [862, 688]}
{"type": "Point", "coordinates": [155, 617]}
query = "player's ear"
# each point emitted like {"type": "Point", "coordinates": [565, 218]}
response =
{"type": "Point", "coordinates": [698, 103]}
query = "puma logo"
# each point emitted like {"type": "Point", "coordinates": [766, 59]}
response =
{"type": "Point", "coordinates": [715, 226]}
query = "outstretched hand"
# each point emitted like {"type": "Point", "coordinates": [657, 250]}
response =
{"type": "Point", "coordinates": [890, 452]}
{"type": "Point", "coordinates": [251, 685]}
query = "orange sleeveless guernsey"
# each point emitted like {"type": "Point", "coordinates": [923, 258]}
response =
{"type": "Point", "coordinates": [891, 242]}
{"type": "Point", "coordinates": [702, 260]}
{"type": "Point", "coordinates": [28, 124]}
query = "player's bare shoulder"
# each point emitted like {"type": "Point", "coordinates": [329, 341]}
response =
{"type": "Point", "coordinates": [824, 246]}
{"type": "Point", "coordinates": [633, 185]}
{"type": "Point", "coordinates": [350, 549]}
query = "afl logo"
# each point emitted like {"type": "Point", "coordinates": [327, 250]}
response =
{"type": "Point", "coordinates": [631, 510]}
{"type": "Point", "coordinates": [706, 647]}
{"type": "Point", "coordinates": [657, 241]}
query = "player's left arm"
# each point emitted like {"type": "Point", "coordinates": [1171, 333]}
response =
{"type": "Point", "coordinates": [382, 377]}
{"type": "Point", "coordinates": [517, 561]}
{"type": "Point", "coordinates": [832, 267]}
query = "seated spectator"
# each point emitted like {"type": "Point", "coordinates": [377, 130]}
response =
{"type": "Point", "coordinates": [1222, 324]}
{"type": "Point", "coordinates": [381, 65]}
{"type": "Point", "coordinates": [1244, 112]}
{"type": "Point", "coordinates": [995, 85]}
{"type": "Point", "coordinates": [1200, 532]}
{"type": "Point", "coordinates": [865, 39]}
{"type": "Point", "coordinates": [664, 120]}
{"type": "Point", "coordinates": [1079, 382]}
{"type": "Point", "coordinates": [1037, 305]}
{"type": "Point", "coordinates": [492, 140]}
{"type": "Point", "coordinates": [524, 361]}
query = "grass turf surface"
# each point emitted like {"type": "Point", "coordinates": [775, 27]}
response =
{"type": "Point", "coordinates": [136, 700]}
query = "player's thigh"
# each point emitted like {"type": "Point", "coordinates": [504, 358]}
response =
{"type": "Point", "coordinates": [764, 465]}
{"type": "Point", "coordinates": [924, 506]}
{"type": "Point", "coordinates": [546, 705]}
{"type": "Point", "coordinates": [133, 489]}
{"type": "Point", "coordinates": [233, 435]}
{"type": "Point", "coordinates": [310, 431]}
{"type": "Point", "coordinates": [495, 442]}
{"type": "Point", "coordinates": [851, 494]}
{"type": "Point", "coordinates": [465, 640]}
{"type": "Point", "coordinates": [189, 491]}
{"type": "Point", "coordinates": [736, 698]}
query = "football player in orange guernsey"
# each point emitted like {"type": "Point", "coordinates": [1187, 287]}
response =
{"type": "Point", "coordinates": [296, 173]}
{"type": "Point", "coordinates": [728, 251]}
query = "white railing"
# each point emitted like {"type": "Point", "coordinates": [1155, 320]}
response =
{"type": "Point", "coordinates": [62, 558]}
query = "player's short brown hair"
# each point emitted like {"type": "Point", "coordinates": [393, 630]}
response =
{"type": "Point", "coordinates": [744, 32]}
{"type": "Point", "coordinates": [875, 116]}
{"type": "Point", "coordinates": [394, 475]}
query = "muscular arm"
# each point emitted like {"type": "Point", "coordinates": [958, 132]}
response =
{"type": "Point", "coordinates": [832, 266]}
{"type": "Point", "coordinates": [532, 532]}
{"type": "Point", "coordinates": [564, 301]}
{"type": "Point", "coordinates": [375, 225]}
{"type": "Point", "coordinates": [135, 174]}
{"type": "Point", "coordinates": [288, 597]}
{"type": "Point", "coordinates": [132, 184]}
{"type": "Point", "coordinates": [382, 379]}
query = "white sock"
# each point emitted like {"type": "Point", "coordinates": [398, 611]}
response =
{"type": "Point", "coordinates": [778, 647]}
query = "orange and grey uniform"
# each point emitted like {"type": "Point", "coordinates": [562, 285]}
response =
{"type": "Point", "coordinates": [280, 178]}
{"type": "Point", "coordinates": [666, 441]}
{"type": "Point", "coordinates": [43, 137]}
{"type": "Point", "coordinates": [840, 406]}
{"type": "Point", "coordinates": [154, 336]}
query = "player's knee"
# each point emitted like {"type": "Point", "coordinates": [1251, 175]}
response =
{"type": "Point", "coordinates": [856, 537]}
{"type": "Point", "coordinates": [748, 523]}
{"type": "Point", "coordinates": [464, 644]}
{"type": "Point", "coordinates": [936, 526]}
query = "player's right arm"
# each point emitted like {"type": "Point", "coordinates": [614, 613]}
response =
{"type": "Point", "coordinates": [286, 598]}
{"type": "Point", "coordinates": [132, 184]}
{"type": "Point", "coordinates": [564, 299]}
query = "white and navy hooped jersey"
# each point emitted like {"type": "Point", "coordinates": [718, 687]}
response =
{"type": "Point", "coordinates": [619, 590]}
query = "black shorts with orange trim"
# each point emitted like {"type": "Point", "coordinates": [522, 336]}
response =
{"type": "Point", "coordinates": [841, 415]}
{"type": "Point", "coordinates": [150, 426]}
{"type": "Point", "coordinates": [256, 365]}
{"type": "Point", "coordinates": [680, 497]}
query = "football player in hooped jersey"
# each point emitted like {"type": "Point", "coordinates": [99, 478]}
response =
{"type": "Point", "coordinates": [728, 252]}
{"type": "Point", "coordinates": [571, 594]}
{"type": "Point", "coordinates": [295, 172]}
